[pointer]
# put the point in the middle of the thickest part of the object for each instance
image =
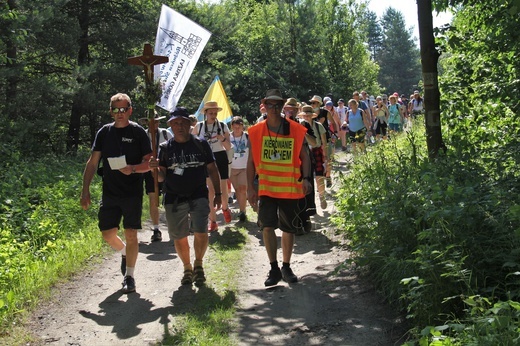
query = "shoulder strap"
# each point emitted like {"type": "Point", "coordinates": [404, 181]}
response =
{"type": "Point", "coordinates": [200, 127]}
{"type": "Point", "coordinates": [198, 144]}
{"type": "Point", "coordinates": [165, 134]}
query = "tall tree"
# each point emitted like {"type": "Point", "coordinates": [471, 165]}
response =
{"type": "Point", "coordinates": [399, 59]}
{"type": "Point", "coordinates": [374, 35]}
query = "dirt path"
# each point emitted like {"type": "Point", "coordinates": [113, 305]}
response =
{"type": "Point", "coordinates": [321, 309]}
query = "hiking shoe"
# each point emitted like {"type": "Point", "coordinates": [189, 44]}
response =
{"type": "Point", "coordinates": [242, 217]}
{"type": "Point", "coordinates": [227, 215]}
{"type": "Point", "coordinates": [213, 226]}
{"type": "Point", "coordinates": [123, 265]}
{"type": "Point", "coordinates": [288, 275]}
{"type": "Point", "coordinates": [323, 202]}
{"type": "Point", "coordinates": [157, 235]}
{"type": "Point", "coordinates": [198, 276]}
{"type": "Point", "coordinates": [230, 200]}
{"type": "Point", "coordinates": [128, 284]}
{"type": "Point", "coordinates": [275, 275]}
{"type": "Point", "coordinates": [187, 278]}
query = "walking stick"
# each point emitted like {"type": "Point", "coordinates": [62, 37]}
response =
{"type": "Point", "coordinates": [148, 60]}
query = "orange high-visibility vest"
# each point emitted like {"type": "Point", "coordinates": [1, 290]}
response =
{"type": "Point", "coordinates": [277, 160]}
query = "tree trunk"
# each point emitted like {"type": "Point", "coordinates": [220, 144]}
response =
{"type": "Point", "coordinates": [12, 79]}
{"type": "Point", "coordinates": [83, 54]}
{"type": "Point", "coordinates": [429, 59]}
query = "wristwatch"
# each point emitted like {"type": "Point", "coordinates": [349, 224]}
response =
{"type": "Point", "coordinates": [133, 169]}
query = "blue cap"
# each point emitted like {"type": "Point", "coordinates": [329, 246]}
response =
{"type": "Point", "coordinates": [179, 112]}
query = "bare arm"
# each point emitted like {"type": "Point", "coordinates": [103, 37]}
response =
{"type": "Point", "coordinates": [306, 169]}
{"type": "Point", "coordinates": [252, 195]}
{"type": "Point", "coordinates": [214, 176]}
{"type": "Point", "coordinates": [88, 175]}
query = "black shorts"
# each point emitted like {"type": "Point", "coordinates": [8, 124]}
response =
{"type": "Point", "coordinates": [149, 185]}
{"type": "Point", "coordinates": [113, 209]}
{"type": "Point", "coordinates": [282, 213]}
{"type": "Point", "coordinates": [381, 128]}
{"type": "Point", "coordinates": [221, 159]}
{"type": "Point", "coordinates": [358, 136]}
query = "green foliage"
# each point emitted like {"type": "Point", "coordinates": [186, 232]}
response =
{"type": "Point", "coordinates": [44, 233]}
{"type": "Point", "coordinates": [431, 233]}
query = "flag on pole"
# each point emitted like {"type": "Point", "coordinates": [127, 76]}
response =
{"type": "Point", "coordinates": [182, 40]}
{"type": "Point", "coordinates": [216, 93]}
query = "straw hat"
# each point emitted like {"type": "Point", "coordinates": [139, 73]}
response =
{"type": "Point", "coordinates": [291, 102]}
{"type": "Point", "coordinates": [317, 99]}
{"type": "Point", "coordinates": [211, 105]}
{"type": "Point", "coordinates": [307, 110]}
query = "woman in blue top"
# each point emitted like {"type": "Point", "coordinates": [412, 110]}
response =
{"type": "Point", "coordinates": [358, 125]}
{"type": "Point", "coordinates": [396, 118]}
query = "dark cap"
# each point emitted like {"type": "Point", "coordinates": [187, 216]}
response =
{"type": "Point", "coordinates": [179, 112]}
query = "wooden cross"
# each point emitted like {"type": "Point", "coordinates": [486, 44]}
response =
{"type": "Point", "coordinates": [148, 60]}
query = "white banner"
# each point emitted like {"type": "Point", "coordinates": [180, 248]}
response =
{"type": "Point", "coordinates": [182, 41]}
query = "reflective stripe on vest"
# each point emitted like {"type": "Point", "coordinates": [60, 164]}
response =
{"type": "Point", "coordinates": [277, 160]}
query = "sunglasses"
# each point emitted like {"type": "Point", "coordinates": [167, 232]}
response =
{"type": "Point", "coordinates": [116, 110]}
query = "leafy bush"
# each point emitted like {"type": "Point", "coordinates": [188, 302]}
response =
{"type": "Point", "coordinates": [44, 233]}
{"type": "Point", "coordinates": [432, 234]}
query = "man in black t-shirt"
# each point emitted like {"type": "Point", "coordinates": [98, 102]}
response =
{"type": "Point", "coordinates": [125, 150]}
{"type": "Point", "coordinates": [184, 163]}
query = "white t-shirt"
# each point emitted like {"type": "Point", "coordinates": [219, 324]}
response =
{"type": "Point", "coordinates": [210, 132]}
{"type": "Point", "coordinates": [240, 147]}
{"type": "Point", "coordinates": [342, 114]}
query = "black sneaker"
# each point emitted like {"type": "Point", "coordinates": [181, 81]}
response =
{"type": "Point", "coordinates": [288, 275]}
{"type": "Point", "coordinates": [157, 235]}
{"type": "Point", "coordinates": [242, 217]}
{"type": "Point", "coordinates": [275, 275]}
{"type": "Point", "coordinates": [198, 276]}
{"type": "Point", "coordinates": [128, 284]}
{"type": "Point", "coordinates": [123, 265]}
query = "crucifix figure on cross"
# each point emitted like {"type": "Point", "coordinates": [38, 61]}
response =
{"type": "Point", "coordinates": [148, 60]}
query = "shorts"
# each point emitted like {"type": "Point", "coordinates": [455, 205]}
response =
{"type": "Point", "coordinates": [221, 159]}
{"type": "Point", "coordinates": [179, 224]}
{"type": "Point", "coordinates": [113, 209]}
{"type": "Point", "coordinates": [238, 177]}
{"type": "Point", "coordinates": [395, 127]}
{"type": "Point", "coordinates": [381, 128]}
{"type": "Point", "coordinates": [319, 170]}
{"type": "Point", "coordinates": [358, 136]}
{"type": "Point", "coordinates": [149, 185]}
{"type": "Point", "coordinates": [281, 213]}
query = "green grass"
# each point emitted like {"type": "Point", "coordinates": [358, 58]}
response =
{"type": "Point", "coordinates": [209, 318]}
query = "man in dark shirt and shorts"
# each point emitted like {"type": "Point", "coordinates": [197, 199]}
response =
{"type": "Point", "coordinates": [125, 150]}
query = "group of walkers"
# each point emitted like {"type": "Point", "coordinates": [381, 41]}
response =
{"type": "Point", "coordinates": [276, 166]}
